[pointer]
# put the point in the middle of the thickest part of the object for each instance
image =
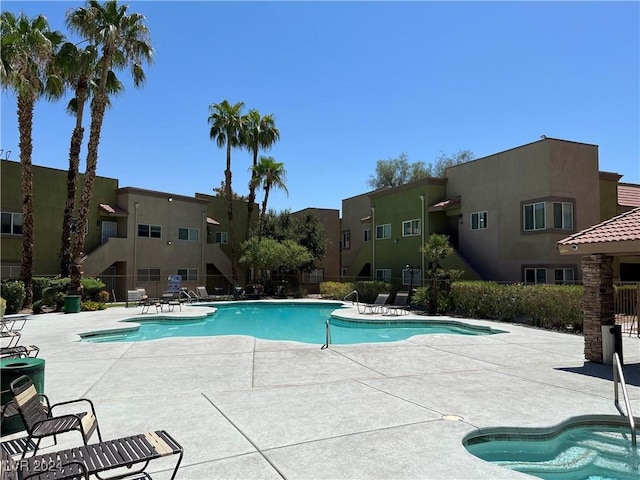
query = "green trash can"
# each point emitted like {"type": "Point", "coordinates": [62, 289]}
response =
{"type": "Point", "coordinates": [72, 303]}
{"type": "Point", "coordinates": [10, 369]}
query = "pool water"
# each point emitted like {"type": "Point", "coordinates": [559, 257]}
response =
{"type": "Point", "coordinates": [284, 321]}
{"type": "Point", "coordinates": [594, 452]}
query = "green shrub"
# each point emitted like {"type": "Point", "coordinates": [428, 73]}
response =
{"type": "Point", "coordinates": [368, 290]}
{"type": "Point", "coordinates": [39, 284]}
{"type": "Point", "coordinates": [37, 306]}
{"type": "Point", "coordinates": [53, 297]}
{"type": "Point", "coordinates": [91, 288]}
{"type": "Point", "coordinates": [92, 306]}
{"type": "Point", "coordinates": [547, 306]}
{"type": "Point", "coordinates": [3, 306]}
{"type": "Point", "coordinates": [335, 290]}
{"type": "Point", "coordinates": [14, 293]}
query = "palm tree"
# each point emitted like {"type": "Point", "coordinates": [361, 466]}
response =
{"type": "Point", "coordinates": [77, 66]}
{"type": "Point", "coordinates": [259, 132]}
{"type": "Point", "coordinates": [227, 123]}
{"type": "Point", "coordinates": [124, 42]}
{"type": "Point", "coordinates": [27, 49]}
{"type": "Point", "coordinates": [269, 174]}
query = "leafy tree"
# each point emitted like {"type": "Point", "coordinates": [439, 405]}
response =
{"type": "Point", "coordinates": [268, 254]}
{"type": "Point", "coordinates": [124, 41]}
{"type": "Point", "coordinates": [398, 171]}
{"type": "Point", "coordinates": [27, 46]}
{"type": "Point", "coordinates": [227, 123]}
{"type": "Point", "coordinates": [302, 228]}
{"type": "Point", "coordinates": [259, 132]}
{"type": "Point", "coordinates": [221, 192]}
{"type": "Point", "coordinates": [268, 174]}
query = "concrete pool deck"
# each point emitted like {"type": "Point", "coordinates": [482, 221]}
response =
{"type": "Point", "coordinates": [246, 408]}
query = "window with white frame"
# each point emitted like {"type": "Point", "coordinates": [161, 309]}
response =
{"type": "Point", "coordinates": [563, 215]}
{"type": "Point", "coordinates": [222, 237]}
{"type": "Point", "coordinates": [535, 275]}
{"type": "Point", "coordinates": [148, 274]}
{"type": "Point", "coordinates": [150, 231]}
{"type": "Point", "coordinates": [11, 223]}
{"type": "Point", "coordinates": [564, 276]}
{"type": "Point", "coordinates": [192, 234]}
{"type": "Point", "coordinates": [346, 239]}
{"type": "Point", "coordinates": [313, 276]}
{"type": "Point", "coordinates": [383, 231]}
{"type": "Point", "coordinates": [366, 235]}
{"type": "Point", "coordinates": [534, 216]}
{"type": "Point", "coordinates": [411, 228]}
{"type": "Point", "coordinates": [343, 271]}
{"type": "Point", "coordinates": [383, 275]}
{"type": "Point", "coordinates": [188, 273]}
{"type": "Point", "coordinates": [479, 220]}
{"type": "Point", "coordinates": [411, 276]}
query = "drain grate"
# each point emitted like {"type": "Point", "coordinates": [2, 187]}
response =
{"type": "Point", "coordinates": [452, 418]}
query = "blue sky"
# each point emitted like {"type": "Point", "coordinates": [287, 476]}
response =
{"type": "Point", "coordinates": [350, 83]}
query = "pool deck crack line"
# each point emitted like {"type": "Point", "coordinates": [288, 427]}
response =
{"type": "Point", "coordinates": [346, 357]}
{"type": "Point", "coordinates": [244, 435]}
{"type": "Point", "coordinates": [115, 360]}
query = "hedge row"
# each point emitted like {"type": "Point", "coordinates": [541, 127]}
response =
{"type": "Point", "coordinates": [367, 290]}
{"type": "Point", "coordinates": [557, 307]}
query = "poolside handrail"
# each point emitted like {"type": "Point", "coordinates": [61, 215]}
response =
{"type": "Point", "coordinates": [349, 294]}
{"type": "Point", "coordinates": [618, 378]}
{"type": "Point", "coordinates": [327, 333]}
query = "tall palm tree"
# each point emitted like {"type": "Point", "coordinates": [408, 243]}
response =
{"type": "Point", "coordinates": [269, 174]}
{"type": "Point", "coordinates": [124, 42]}
{"type": "Point", "coordinates": [78, 67]}
{"type": "Point", "coordinates": [259, 132]}
{"type": "Point", "coordinates": [27, 48]}
{"type": "Point", "coordinates": [227, 123]}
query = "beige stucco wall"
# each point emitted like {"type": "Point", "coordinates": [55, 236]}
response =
{"type": "Point", "coordinates": [545, 170]}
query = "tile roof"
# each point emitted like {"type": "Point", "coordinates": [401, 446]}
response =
{"type": "Point", "coordinates": [629, 195]}
{"type": "Point", "coordinates": [110, 211]}
{"type": "Point", "coordinates": [211, 221]}
{"type": "Point", "coordinates": [623, 228]}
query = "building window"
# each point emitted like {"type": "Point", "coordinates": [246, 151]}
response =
{"type": "Point", "coordinates": [346, 239]}
{"type": "Point", "coordinates": [411, 276]}
{"type": "Point", "coordinates": [383, 231]}
{"type": "Point", "coordinates": [534, 216]}
{"type": "Point", "coordinates": [150, 231]}
{"type": "Point", "coordinates": [563, 215]}
{"type": "Point", "coordinates": [221, 237]}
{"type": "Point", "coordinates": [564, 276]}
{"type": "Point", "coordinates": [148, 274]}
{"type": "Point", "coordinates": [383, 275]}
{"type": "Point", "coordinates": [479, 221]}
{"type": "Point", "coordinates": [343, 271]}
{"type": "Point", "coordinates": [535, 275]}
{"type": "Point", "coordinates": [192, 234]}
{"type": "Point", "coordinates": [410, 228]}
{"type": "Point", "coordinates": [366, 235]}
{"type": "Point", "coordinates": [314, 276]}
{"type": "Point", "coordinates": [188, 273]}
{"type": "Point", "coordinates": [11, 223]}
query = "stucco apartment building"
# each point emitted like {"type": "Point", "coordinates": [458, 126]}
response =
{"type": "Point", "coordinates": [137, 238]}
{"type": "Point", "coordinates": [503, 213]}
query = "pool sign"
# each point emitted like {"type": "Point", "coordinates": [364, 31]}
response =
{"type": "Point", "coordinates": [174, 283]}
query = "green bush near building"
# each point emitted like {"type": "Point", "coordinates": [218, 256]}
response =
{"type": "Point", "coordinates": [14, 293]}
{"type": "Point", "coordinates": [369, 290]}
{"type": "Point", "coordinates": [556, 307]}
{"type": "Point", "coordinates": [335, 290]}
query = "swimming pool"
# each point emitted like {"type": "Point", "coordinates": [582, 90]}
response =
{"type": "Point", "coordinates": [301, 322]}
{"type": "Point", "coordinates": [587, 447]}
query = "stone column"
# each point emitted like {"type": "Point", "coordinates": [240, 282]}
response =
{"type": "Point", "coordinates": [597, 308]}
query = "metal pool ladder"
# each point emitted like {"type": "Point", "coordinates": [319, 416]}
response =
{"type": "Point", "coordinates": [618, 378]}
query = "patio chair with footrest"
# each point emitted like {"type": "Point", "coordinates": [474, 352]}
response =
{"type": "Point", "coordinates": [19, 351]}
{"type": "Point", "coordinates": [39, 419]}
{"type": "Point", "coordinates": [375, 307]}
{"type": "Point", "coordinates": [203, 295]}
{"type": "Point", "coordinates": [125, 453]}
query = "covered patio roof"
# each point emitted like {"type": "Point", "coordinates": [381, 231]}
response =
{"type": "Point", "coordinates": [617, 236]}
